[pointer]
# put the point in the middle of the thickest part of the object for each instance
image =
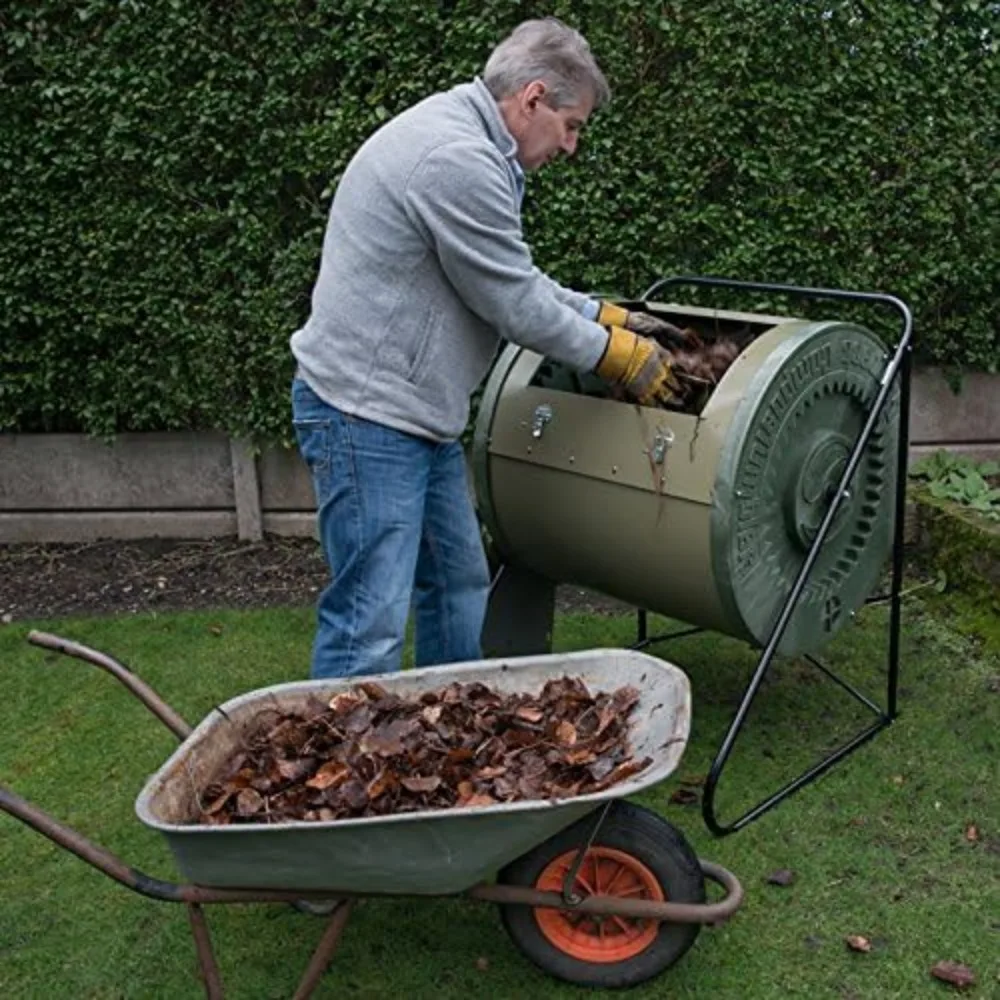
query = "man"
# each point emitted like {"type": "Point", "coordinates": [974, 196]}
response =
{"type": "Point", "coordinates": [424, 270]}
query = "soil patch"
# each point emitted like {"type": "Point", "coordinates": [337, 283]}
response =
{"type": "Point", "coordinates": [126, 577]}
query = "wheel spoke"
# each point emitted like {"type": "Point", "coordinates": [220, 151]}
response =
{"type": "Point", "coordinates": [632, 890]}
{"type": "Point", "coordinates": [614, 879]}
{"type": "Point", "coordinates": [597, 873]}
{"type": "Point", "coordinates": [627, 929]}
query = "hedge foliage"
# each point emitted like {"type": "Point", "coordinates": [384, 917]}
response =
{"type": "Point", "coordinates": [168, 166]}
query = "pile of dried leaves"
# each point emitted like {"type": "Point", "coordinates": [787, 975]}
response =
{"type": "Point", "coordinates": [698, 367]}
{"type": "Point", "coordinates": [373, 753]}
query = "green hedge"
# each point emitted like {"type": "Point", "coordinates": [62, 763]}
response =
{"type": "Point", "coordinates": [168, 166]}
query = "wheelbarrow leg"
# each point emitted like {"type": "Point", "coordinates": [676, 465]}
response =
{"type": "Point", "coordinates": [207, 967]}
{"type": "Point", "coordinates": [324, 951]}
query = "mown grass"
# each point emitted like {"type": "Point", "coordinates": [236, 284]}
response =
{"type": "Point", "coordinates": [880, 846]}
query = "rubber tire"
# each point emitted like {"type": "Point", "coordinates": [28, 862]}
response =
{"type": "Point", "coordinates": [645, 835]}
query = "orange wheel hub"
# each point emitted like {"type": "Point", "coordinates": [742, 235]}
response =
{"type": "Point", "coordinates": [589, 937]}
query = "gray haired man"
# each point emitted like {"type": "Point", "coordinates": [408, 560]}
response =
{"type": "Point", "coordinates": [424, 271]}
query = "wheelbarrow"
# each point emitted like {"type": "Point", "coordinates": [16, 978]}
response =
{"type": "Point", "coordinates": [592, 889]}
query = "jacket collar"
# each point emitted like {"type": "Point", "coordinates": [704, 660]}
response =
{"type": "Point", "coordinates": [486, 107]}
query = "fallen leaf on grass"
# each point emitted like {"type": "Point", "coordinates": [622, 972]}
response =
{"type": "Point", "coordinates": [856, 942]}
{"type": "Point", "coordinates": [783, 877]}
{"type": "Point", "coordinates": [972, 833]}
{"type": "Point", "coordinates": [684, 797]}
{"type": "Point", "coordinates": [482, 964]}
{"type": "Point", "coordinates": [959, 976]}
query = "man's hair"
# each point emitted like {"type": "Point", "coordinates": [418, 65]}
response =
{"type": "Point", "coordinates": [552, 52]}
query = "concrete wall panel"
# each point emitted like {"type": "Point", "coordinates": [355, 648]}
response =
{"type": "Point", "coordinates": [135, 472]}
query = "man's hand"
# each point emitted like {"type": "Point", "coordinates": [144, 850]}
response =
{"type": "Point", "coordinates": [639, 365]}
{"type": "Point", "coordinates": [647, 325]}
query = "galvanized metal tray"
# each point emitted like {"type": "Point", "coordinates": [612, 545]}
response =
{"type": "Point", "coordinates": [423, 853]}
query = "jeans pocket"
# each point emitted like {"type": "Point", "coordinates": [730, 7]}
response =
{"type": "Point", "coordinates": [315, 440]}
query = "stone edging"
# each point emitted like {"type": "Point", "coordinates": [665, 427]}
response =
{"type": "Point", "coordinates": [70, 488]}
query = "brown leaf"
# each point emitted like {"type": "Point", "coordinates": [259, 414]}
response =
{"type": "Point", "coordinates": [382, 743]}
{"type": "Point", "coordinates": [372, 690]}
{"type": "Point", "coordinates": [482, 964]}
{"type": "Point", "coordinates": [685, 797]}
{"type": "Point", "coordinates": [566, 733]}
{"type": "Point", "coordinates": [856, 942]}
{"type": "Point", "coordinates": [249, 802]}
{"type": "Point", "coordinates": [354, 794]}
{"type": "Point", "coordinates": [432, 713]}
{"type": "Point", "coordinates": [479, 799]}
{"type": "Point", "coordinates": [621, 772]}
{"type": "Point", "coordinates": [972, 833]}
{"type": "Point", "coordinates": [605, 717]}
{"type": "Point", "coordinates": [624, 700]}
{"type": "Point", "coordinates": [418, 784]}
{"type": "Point", "coordinates": [358, 719]}
{"type": "Point", "coordinates": [529, 713]}
{"type": "Point", "coordinates": [381, 783]}
{"type": "Point", "coordinates": [344, 701]}
{"type": "Point", "coordinates": [296, 768]}
{"type": "Point", "coordinates": [959, 976]}
{"type": "Point", "coordinates": [782, 877]}
{"type": "Point", "coordinates": [486, 773]}
{"type": "Point", "coordinates": [215, 804]}
{"type": "Point", "coordinates": [601, 768]}
{"type": "Point", "coordinates": [331, 775]}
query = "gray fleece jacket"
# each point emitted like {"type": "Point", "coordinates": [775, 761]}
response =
{"type": "Point", "coordinates": [424, 269]}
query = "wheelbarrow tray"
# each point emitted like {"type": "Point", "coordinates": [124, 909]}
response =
{"type": "Point", "coordinates": [432, 852]}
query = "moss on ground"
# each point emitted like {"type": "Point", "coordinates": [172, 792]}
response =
{"type": "Point", "coordinates": [966, 548]}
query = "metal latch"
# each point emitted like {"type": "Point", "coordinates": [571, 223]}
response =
{"type": "Point", "coordinates": [662, 440]}
{"type": "Point", "coordinates": [543, 414]}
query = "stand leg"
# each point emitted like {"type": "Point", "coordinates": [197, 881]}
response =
{"type": "Point", "coordinates": [324, 951]}
{"type": "Point", "coordinates": [207, 967]}
{"type": "Point", "coordinates": [520, 614]}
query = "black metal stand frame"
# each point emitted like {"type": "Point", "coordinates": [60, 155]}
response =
{"type": "Point", "coordinates": [898, 367]}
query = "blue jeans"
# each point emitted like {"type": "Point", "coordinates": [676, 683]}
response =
{"type": "Point", "coordinates": [397, 525]}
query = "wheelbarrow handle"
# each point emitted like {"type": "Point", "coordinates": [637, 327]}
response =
{"type": "Point", "coordinates": [171, 719]}
{"type": "Point", "coordinates": [132, 878]}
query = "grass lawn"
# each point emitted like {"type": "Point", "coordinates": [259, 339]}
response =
{"type": "Point", "coordinates": [880, 847]}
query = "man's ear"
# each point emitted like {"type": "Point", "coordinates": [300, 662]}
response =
{"type": "Point", "coordinates": [534, 94]}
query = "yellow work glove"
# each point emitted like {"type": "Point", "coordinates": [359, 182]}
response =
{"type": "Point", "coordinates": [639, 365]}
{"type": "Point", "coordinates": [646, 325]}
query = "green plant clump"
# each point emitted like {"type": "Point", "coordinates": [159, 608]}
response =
{"type": "Point", "coordinates": [972, 485]}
